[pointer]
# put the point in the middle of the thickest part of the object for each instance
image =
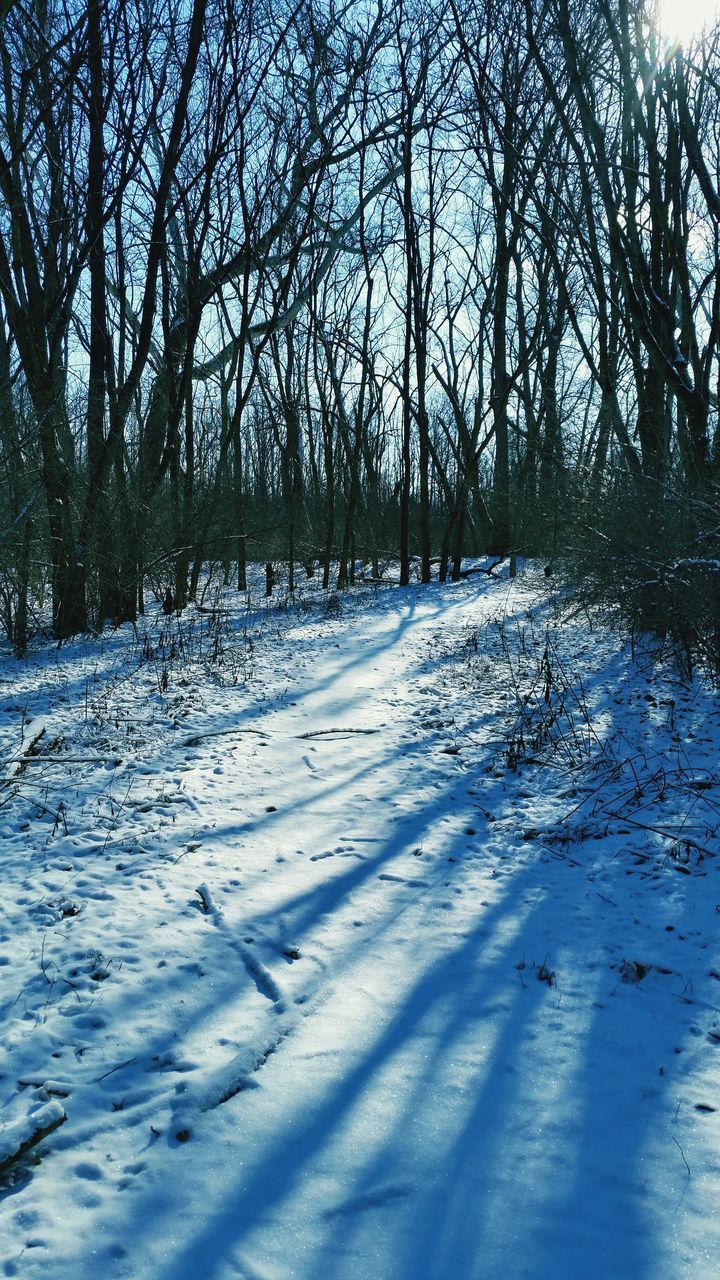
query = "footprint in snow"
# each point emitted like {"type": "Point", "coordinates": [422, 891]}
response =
{"type": "Point", "coordinates": [130, 1172]}
{"type": "Point", "coordinates": [90, 1200]}
{"type": "Point", "coordinates": [84, 1021]}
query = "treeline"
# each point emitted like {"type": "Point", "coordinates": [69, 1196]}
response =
{"type": "Point", "coordinates": [336, 282]}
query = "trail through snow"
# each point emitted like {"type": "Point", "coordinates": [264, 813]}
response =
{"type": "Point", "coordinates": [373, 941]}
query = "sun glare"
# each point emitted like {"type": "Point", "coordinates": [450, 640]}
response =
{"type": "Point", "coordinates": [684, 20]}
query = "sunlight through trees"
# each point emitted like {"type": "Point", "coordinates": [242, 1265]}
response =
{"type": "Point", "coordinates": [323, 285]}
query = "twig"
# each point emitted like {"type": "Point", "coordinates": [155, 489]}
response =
{"type": "Point", "coordinates": [322, 733]}
{"type": "Point", "coordinates": [59, 759]}
{"type": "Point", "coordinates": [112, 1070]}
{"type": "Point", "coordinates": [219, 733]}
{"type": "Point", "coordinates": [682, 1153]}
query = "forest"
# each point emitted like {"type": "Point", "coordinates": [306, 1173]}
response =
{"type": "Point", "coordinates": [359, 639]}
{"type": "Point", "coordinates": [321, 285]}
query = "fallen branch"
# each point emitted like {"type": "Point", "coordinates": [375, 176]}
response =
{"type": "Point", "coordinates": [487, 569]}
{"type": "Point", "coordinates": [18, 1138]}
{"type": "Point", "coordinates": [224, 1083]}
{"type": "Point", "coordinates": [263, 979]}
{"type": "Point", "coordinates": [207, 901]}
{"type": "Point", "coordinates": [57, 759]}
{"type": "Point", "coordinates": [32, 733]}
{"type": "Point", "coordinates": [221, 733]}
{"type": "Point", "coordinates": [323, 733]}
{"type": "Point", "coordinates": [57, 815]}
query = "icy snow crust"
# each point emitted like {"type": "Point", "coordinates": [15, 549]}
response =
{"type": "Point", "coordinates": [376, 943]}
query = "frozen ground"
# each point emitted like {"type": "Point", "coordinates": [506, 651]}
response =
{"type": "Point", "coordinates": [376, 942]}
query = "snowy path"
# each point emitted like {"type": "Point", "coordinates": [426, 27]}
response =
{"type": "Point", "coordinates": [441, 1018]}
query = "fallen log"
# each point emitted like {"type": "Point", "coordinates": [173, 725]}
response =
{"type": "Point", "coordinates": [479, 568]}
{"type": "Point", "coordinates": [19, 1137]}
{"type": "Point", "coordinates": [31, 735]}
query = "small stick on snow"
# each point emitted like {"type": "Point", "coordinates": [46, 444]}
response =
{"type": "Point", "coordinates": [119, 1067]}
{"type": "Point", "coordinates": [221, 733]}
{"type": "Point", "coordinates": [322, 733]}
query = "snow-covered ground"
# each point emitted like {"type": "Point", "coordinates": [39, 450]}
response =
{"type": "Point", "coordinates": [370, 938]}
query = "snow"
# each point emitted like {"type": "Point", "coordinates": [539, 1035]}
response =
{"type": "Point", "coordinates": [361, 937]}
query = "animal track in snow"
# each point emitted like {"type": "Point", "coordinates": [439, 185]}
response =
{"type": "Point", "coordinates": [90, 1172]}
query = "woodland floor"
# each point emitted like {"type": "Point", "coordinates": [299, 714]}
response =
{"type": "Point", "coordinates": [371, 937]}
